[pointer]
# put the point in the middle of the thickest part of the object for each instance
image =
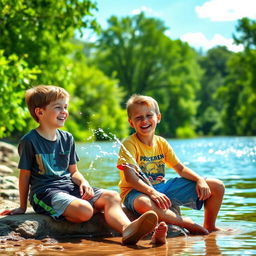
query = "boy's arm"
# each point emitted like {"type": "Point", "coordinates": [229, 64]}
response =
{"type": "Point", "coordinates": [202, 189]}
{"type": "Point", "coordinates": [86, 190]}
{"type": "Point", "coordinates": [160, 199]}
{"type": "Point", "coordinates": [23, 191]}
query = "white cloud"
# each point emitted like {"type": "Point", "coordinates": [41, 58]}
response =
{"type": "Point", "coordinates": [146, 10]}
{"type": "Point", "coordinates": [227, 10]}
{"type": "Point", "coordinates": [198, 40]}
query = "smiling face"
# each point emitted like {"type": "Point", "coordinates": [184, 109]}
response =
{"type": "Point", "coordinates": [54, 114]}
{"type": "Point", "coordinates": [144, 120]}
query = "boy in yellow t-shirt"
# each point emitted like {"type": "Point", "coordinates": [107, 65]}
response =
{"type": "Point", "coordinates": [142, 160]}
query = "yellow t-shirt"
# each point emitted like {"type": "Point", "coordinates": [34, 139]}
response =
{"type": "Point", "coordinates": [150, 159]}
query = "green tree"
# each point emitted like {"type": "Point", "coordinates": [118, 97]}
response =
{"type": "Point", "coordinates": [34, 38]}
{"type": "Point", "coordinates": [239, 92]}
{"type": "Point", "coordinates": [246, 33]}
{"type": "Point", "coordinates": [15, 76]}
{"type": "Point", "coordinates": [137, 52]}
{"type": "Point", "coordinates": [214, 64]}
{"type": "Point", "coordinates": [38, 31]}
{"type": "Point", "coordinates": [96, 103]}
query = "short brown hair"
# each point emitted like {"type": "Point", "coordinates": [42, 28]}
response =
{"type": "Point", "coordinates": [42, 95]}
{"type": "Point", "coordinates": [141, 99]}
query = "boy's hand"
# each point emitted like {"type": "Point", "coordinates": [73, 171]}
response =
{"type": "Point", "coordinates": [86, 191]}
{"type": "Point", "coordinates": [161, 200]}
{"type": "Point", "coordinates": [13, 212]}
{"type": "Point", "coordinates": [202, 189]}
{"type": "Point", "coordinates": [5, 212]}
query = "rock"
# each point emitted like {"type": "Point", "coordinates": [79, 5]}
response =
{"type": "Point", "coordinates": [9, 182]}
{"type": "Point", "coordinates": [9, 194]}
{"type": "Point", "coordinates": [13, 164]}
{"type": "Point", "coordinates": [38, 226]}
{"type": "Point", "coordinates": [5, 170]}
{"type": "Point", "coordinates": [9, 204]}
{"type": "Point", "coordinates": [9, 187]}
{"type": "Point", "coordinates": [8, 150]}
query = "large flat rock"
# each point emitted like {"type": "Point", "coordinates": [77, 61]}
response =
{"type": "Point", "coordinates": [37, 226]}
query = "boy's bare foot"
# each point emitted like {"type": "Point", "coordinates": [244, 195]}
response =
{"type": "Point", "coordinates": [140, 227]}
{"type": "Point", "coordinates": [159, 236]}
{"type": "Point", "coordinates": [194, 228]}
{"type": "Point", "coordinates": [214, 229]}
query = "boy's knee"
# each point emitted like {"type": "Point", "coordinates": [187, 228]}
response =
{"type": "Point", "coordinates": [83, 212]}
{"type": "Point", "coordinates": [112, 196]}
{"type": "Point", "coordinates": [221, 186]}
{"type": "Point", "coordinates": [217, 185]}
{"type": "Point", "coordinates": [142, 203]}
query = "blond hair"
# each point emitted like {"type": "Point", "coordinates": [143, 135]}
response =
{"type": "Point", "coordinates": [42, 95]}
{"type": "Point", "coordinates": [141, 100]}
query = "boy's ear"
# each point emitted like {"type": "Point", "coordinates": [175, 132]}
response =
{"type": "Point", "coordinates": [158, 118]}
{"type": "Point", "coordinates": [130, 122]}
{"type": "Point", "coordinates": [38, 111]}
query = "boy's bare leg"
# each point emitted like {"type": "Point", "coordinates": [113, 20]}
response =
{"type": "Point", "coordinates": [160, 233]}
{"type": "Point", "coordinates": [78, 211]}
{"type": "Point", "coordinates": [110, 203]}
{"type": "Point", "coordinates": [143, 203]}
{"type": "Point", "coordinates": [212, 204]}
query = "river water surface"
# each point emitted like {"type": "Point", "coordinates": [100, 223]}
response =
{"type": "Point", "coordinates": [231, 159]}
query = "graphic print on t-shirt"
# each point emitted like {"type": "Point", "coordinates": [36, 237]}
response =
{"type": "Point", "coordinates": [153, 167]}
{"type": "Point", "coordinates": [47, 164]}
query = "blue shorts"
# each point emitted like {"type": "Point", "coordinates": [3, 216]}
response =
{"type": "Point", "coordinates": [54, 201]}
{"type": "Point", "coordinates": [181, 192]}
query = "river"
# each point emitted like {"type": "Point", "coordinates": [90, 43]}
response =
{"type": "Point", "coordinates": [231, 159]}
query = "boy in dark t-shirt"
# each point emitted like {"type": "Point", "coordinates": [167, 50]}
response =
{"type": "Point", "coordinates": [48, 166]}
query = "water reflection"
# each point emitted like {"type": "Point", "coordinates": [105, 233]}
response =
{"type": "Point", "coordinates": [192, 245]}
{"type": "Point", "coordinates": [233, 160]}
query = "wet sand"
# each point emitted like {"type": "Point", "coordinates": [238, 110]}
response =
{"type": "Point", "coordinates": [192, 245]}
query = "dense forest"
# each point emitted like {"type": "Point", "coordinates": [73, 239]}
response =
{"type": "Point", "coordinates": [199, 94]}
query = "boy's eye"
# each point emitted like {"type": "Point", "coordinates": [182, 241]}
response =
{"type": "Point", "coordinates": [141, 118]}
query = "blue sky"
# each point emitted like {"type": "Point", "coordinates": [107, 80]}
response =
{"type": "Point", "coordinates": [202, 23]}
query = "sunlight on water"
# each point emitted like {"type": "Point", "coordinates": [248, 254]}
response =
{"type": "Point", "coordinates": [231, 159]}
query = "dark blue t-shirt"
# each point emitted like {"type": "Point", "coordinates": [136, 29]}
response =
{"type": "Point", "coordinates": [47, 160]}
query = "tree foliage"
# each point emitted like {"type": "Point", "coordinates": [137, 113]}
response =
{"type": "Point", "coordinates": [214, 64]}
{"type": "Point", "coordinates": [211, 94]}
{"type": "Point", "coordinates": [14, 78]}
{"type": "Point", "coordinates": [37, 31]}
{"type": "Point", "coordinates": [239, 93]}
{"type": "Point", "coordinates": [36, 38]}
{"type": "Point", "coordinates": [97, 101]}
{"type": "Point", "coordinates": [137, 52]}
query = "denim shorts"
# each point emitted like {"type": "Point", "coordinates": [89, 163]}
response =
{"type": "Point", "coordinates": [54, 201]}
{"type": "Point", "coordinates": [181, 192]}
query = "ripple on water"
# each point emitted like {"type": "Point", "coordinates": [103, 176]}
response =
{"type": "Point", "coordinates": [231, 159]}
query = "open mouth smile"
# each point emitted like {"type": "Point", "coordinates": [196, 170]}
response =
{"type": "Point", "coordinates": [145, 126]}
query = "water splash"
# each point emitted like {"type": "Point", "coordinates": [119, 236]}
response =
{"type": "Point", "coordinates": [137, 169]}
